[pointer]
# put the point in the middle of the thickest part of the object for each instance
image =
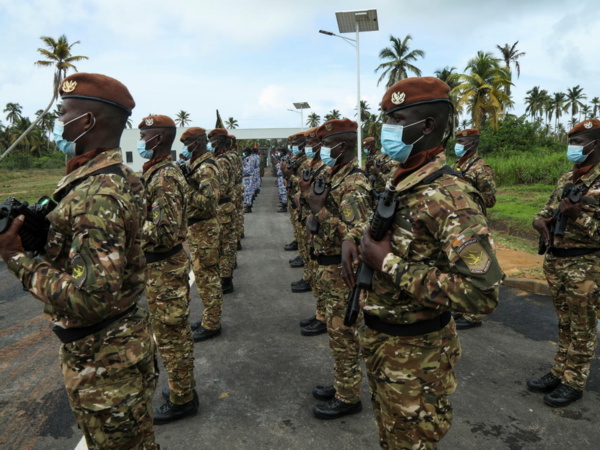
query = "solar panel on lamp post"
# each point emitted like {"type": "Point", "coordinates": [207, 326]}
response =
{"type": "Point", "coordinates": [355, 22]}
{"type": "Point", "coordinates": [301, 106]}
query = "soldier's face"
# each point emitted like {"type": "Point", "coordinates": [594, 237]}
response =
{"type": "Point", "coordinates": [407, 117]}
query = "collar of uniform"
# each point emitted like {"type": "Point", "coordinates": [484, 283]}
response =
{"type": "Point", "coordinates": [416, 177]}
{"type": "Point", "coordinates": [588, 178]}
{"type": "Point", "coordinates": [342, 172]}
{"type": "Point", "coordinates": [155, 164]}
{"type": "Point", "coordinates": [300, 158]}
{"type": "Point", "coordinates": [197, 160]}
{"type": "Point", "coordinates": [465, 160]}
{"type": "Point", "coordinates": [107, 158]}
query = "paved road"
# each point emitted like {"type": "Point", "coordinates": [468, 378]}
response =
{"type": "Point", "coordinates": [255, 379]}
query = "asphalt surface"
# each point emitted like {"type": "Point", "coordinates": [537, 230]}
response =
{"type": "Point", "coordinates": [255, 380]}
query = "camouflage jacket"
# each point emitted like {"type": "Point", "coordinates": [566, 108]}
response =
{"type": "Point", "coordinates": [348, 202]}
{"type": "Point", "coordinates": [227, 195]}
{"type": "Point", "coordinates": [299, 163]}
{"type": "Point", "coordinates": [94, 264]}
{"type": "Point", "coordinates": [585, 231]}
{"type": "Point", "coordinates": [166, 217]}
{"type": "Point", "coordinates": [386, 167]}
{"type": "Point", "coordinates": [442, 252]}
{"type": "Point", "coordinates": [480, 175]}
{"type": "Point", "coordinates": [203, 188]}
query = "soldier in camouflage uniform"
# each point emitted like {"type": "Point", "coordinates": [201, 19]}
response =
{"type": "Point", "coordinates": [238, 192]}
{"type": "Point", "coordinates": [93, 271]}
{"type": "Point", "coordinates": [572, 266]}
{"type": "Point", "coordinates": [281, 188]}
{"type": "Point", "coordinates": [204, 230]}
{"type": "Point", "coordinates": [345, 202]}
{"type": "Point", "coordinates": [226, 209]}
{"type": "Point", "coordinates": [247, 182]}
{"type": "Point", "coordinates": [480, 175]}
{"type": "Point", "coordinates": [168, 266]}
{"type": "Point", "coordinates": [316, 324]}
{"type": "Point", "coordinates": [438, 258]}
{"type": "Point", "coordinates": [379, 165]}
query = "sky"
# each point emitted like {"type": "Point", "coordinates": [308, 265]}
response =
{"type": "Point", "coordinates": [252, 59]}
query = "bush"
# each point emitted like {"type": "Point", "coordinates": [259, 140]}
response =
{"type": "Point", "coordinates": [537, 166]}
{"type": "Point", "coordinates": [21, 161]}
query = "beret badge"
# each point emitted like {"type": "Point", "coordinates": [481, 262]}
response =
{"type": "Point", "coordinates": [398, 98]}
{"type": "Point", "coordinates": [465, 133]}
{"type": "Point", "coordinates": [69, 86]}
{"type": "Point", "coordinates": [149, 121]}
{"type": "Point", "coordinates": [328, 127]}
{"type": "Point", "coordinates": [588, 125]}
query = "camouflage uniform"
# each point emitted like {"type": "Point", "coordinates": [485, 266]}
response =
{"type": "Point", "coordinates": [442, 259]}
{"type": "Point", "coordinates": [386, 166]}
{"type": "Point", "coordinates": [348, 202]}
{"type": "Point", "coordinates": [204, 236]}
{"type": "Point", "coordinates": [247, 181]}
{"type": "Point", "coordinates": [94, 270]}
{"type": "Point", "coordinates": [167, 277]}
{"type": "Point", "coordinates": [300, 223]}
{"type": "Point", "coordinates": [575, 281]}
{"type": "Point", "coordinates": [226, 213]}
{"type": "Point", "coordinates": [480, 175]}
{"type": "Point", "coordinates": [238, 195]}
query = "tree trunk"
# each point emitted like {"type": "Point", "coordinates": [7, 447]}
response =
{"type": "Point", "coordinates": [33, 124]}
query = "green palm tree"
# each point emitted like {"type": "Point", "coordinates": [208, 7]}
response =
{"type": "Point", "coordinates": [536, 101]}
{"type": "Point", "coordinates": [445, 75]}
{"type": "Point", "coordinates": [574, 97]}
{"type": "Point", "coordinates": [334, 114]}
{"type": "Point", "coordinates": [57, 54]}
{"type": "Point", "coordinates": [400, 59]}
{"type": "Point", "coordinates": [482, 89]}
{"type": "Point", "coordinates": [13, 112]}
{"type": "Point", "coordinates": [511, 56]}
{"type": "Point", "coordinates": [586, 110]}
{"type": "Point", "coordinates": [182, 118]}
{"type": "Point", "coordinates": [313, 120]}
{"type": "Point", "coordinates": [364, 110]}
{"type": "Point", "coordinates": [558, 105]}
{"type": "Point", "coordinates": [231, 123]}
{"type": "Point", "coordinates": [595, 102]}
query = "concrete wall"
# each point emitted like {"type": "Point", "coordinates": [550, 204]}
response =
{"type": "Point", "coordinates": [135, 161]}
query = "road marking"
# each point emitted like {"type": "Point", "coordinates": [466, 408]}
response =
{"type": "Point", "coordinates": [82, 444]}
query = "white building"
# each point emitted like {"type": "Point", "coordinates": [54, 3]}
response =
{"type": "Point", "coordinates": [135, 161]}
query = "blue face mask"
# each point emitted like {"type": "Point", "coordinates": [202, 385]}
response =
{"type": "Point", "coordinates": [209, 147]}
{"type": "Point", "coordinates": [575, 153]}
{"type": "Point", "coordinates": [309, 152]}
{"type": "Point", "coordinates": [186, 152]}
{"type": "Point", "coordinates": [326, 155]}
{"type": "Point", "coordinates": [367, 151]}
{"type": "Point", "coordinates": [141, 148]}
{"type": "Point", "coordinates": [295, 150]}
{"type": "Point", "coordinates": [392, 143]}
{"type": "Point", "coordinates": [459, 150]}
{"type": "Point", "coordinates": [67, 147]}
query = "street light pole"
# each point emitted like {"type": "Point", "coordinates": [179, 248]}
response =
{"type": "Point", "coordinates": [358, 108]}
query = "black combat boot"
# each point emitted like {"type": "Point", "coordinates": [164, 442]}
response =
{"type": "Point", "coordinates": [170, 412]}
{"type": "Point", "coordinates": [202, 334]}
{"type": "Point", "coordinates": [324, 393]}
{"type": "Point", "coordinates": [334, 409]}
{"type": "Point", "coordinates": [562, 396]}
{"type": "Point", "coordinates": [297, 262]}
{"type": "Point", "coordinates": [546, 384]}
{"type": "Point", "coordinates": [247, 209]}
{"type": "Point", "coordinates": [195, 325]}
{"type": "Point", "coordinates": [302, 286]}
{"type": "Point", "coordinates": [283, 209]}
{"type": "Point", "coordinates": [315, 328]}
{"type": "Point", "coordinates": [291, 247]}
{"type": "Point", "coordinates": [463, 324]}
{"type": "Point", "coordinates": [239, 246]}
{"type": "Point", "coordinates": [306, 322]}
{"type": "Point", "coordinates": [227, 285]}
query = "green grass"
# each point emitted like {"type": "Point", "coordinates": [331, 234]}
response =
{"type": "Point", "coordinates": [528, 168]}
{"type": "Point", "coordinates": [28, 185]}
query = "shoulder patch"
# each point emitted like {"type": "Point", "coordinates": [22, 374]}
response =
{"type": "Point", "coordinates": [79, 274]}
{"type": "Point", "coordinates": [472, 253]}
{"type": "Point", "coordinates": [155, 213]}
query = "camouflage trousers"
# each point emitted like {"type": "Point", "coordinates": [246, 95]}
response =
{"type": "Point", "coordinates": [294, 219]}
{"type": "Point", "coordinates": [168, 294]}
{"type": "Point", "coordinates": [343, 341]}
{"type": "Point", "coordinates": [203, 239]}
{"type": "Point", "coordinates": [228, 240]}
{"type": "Point", "coordinates": [575, 288]}
{"type": "Point", "coordinates": [110, 377]}
{"type": "Point", "coordinates": [410, 379]}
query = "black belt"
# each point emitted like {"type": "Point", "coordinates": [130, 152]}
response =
{"type": "Point", "coordinates": [224, 200]}
{"type": "Point", "coordinates": [192, 221]}
{"type": "Point", "coordinates": [568, 252]}
{"type": "Point", "coordinates": [329, 260]}
{"type": "Point", "coordinates": [67, 335]}
{"type": "Point", "coordinates": [413, 329]}
{"type": "Point", "coordinates": [152, 257]}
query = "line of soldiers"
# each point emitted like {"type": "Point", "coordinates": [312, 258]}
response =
{"type": "Point", "coordinates": [112, 237]}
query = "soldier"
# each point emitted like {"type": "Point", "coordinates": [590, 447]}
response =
{"type": "Point", "coordinates": [204, 230]}
{"type": "Point", "coordinates": [568, 225]}
{"type": "Point", "coordinates": [480, 175]}
{"type": "Point", "coordinates": [282, 192]}
{"type": "Point", "coordinates": [238, 192]}
{"type": "Point", "coordinates": [247, 181]}
{"type": "Point", "coordinates": [379, 165]}
{"type": "Point", "coordinates": [226, 209]}
{"type": "Point", "coordinates": [438, 257]}
{"type": "Point", "coordinates": [93, 271]}
{"type": "Point", "coordinates": [316, 324]}
{"type": "Point", "coordinates": [167, 266]}
{"type": "Point", "coordinates": [345, 202]}
{"type": "Point", "coordinates": [255, 171]}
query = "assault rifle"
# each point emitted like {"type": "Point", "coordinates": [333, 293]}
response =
{"type": "Point", "coordinates": [34, 232]}
{"type": "Point", "coordinates": [380, 224]}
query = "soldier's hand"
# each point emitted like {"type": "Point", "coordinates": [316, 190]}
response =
{"type": "Point", "coordinates": [297, 200]}
{"type": "Point", "coordinates": [305, 185]}
{"type": "Point", "coordinates": [349, 261]}
{"type": "Point", "coordinates": [542, 227]}
{"type": "Point", "coordinates": [317, 202]}
{"type": "Point", "coordinates": [570, 209]}
{"type": "Point", "coordinates": [373, 253]}
{"type": "Point", "coordinates": [10, 241]}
